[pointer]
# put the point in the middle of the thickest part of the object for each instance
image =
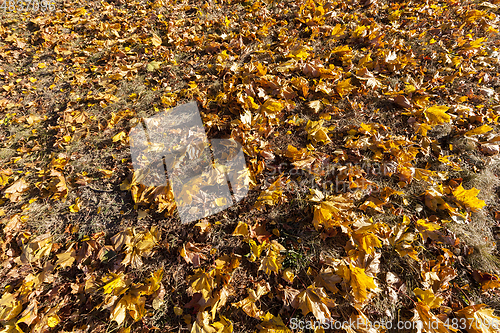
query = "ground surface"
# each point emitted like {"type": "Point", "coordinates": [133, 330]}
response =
{"type": "Point", "coordinates": [370, 129]}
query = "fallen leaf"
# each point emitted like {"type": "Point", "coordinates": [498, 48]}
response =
{"type": "Point", "coordinates": [315, 300]}
{"type": "Point", "coordinates": [468, 198]}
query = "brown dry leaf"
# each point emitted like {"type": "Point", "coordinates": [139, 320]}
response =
{"type": "Point", "coordinates": [315, 300]}
{"type": "Point", "coordinates": [14, 225]}
{"type": "Point", "coordinates": [362, 324]}
{"type": "Point", "coordinates": [192, 254]}
{"type": "Point", "coordinates": [437, 274]}
{"type": "Point", "coordinates": [428, 322]}
{"type": "Point", "coordinates": [301, 84]}
{"type": "Point", "coordinates": [328, 279]}
{"type": "Point", "coordinates": [402, 239]}
{"type": "Point", "coordinates": [15, 191]}
{"type": "Point", "coordinates": [122, 238]}
{"type": "Point", "coordinates": [204, 226]}
{"type": "Point", "coordinates": [403, 102]}
{"type": "Point", "coordinates": [248, 304]}
{"type": "Point", "coordinates": [36, 248]}
{"type": "Point", "coordinates": [156, 40]}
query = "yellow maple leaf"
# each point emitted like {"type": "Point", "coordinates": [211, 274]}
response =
{"type": "Point", "coordinates": [256, 249]}
{"type": "Point", "coordinates": [271, 262]}
{"type": "Point", "coordinates": [271, 196]}
{"type": "Point", "coordinates": [479, 130]}
{"type": "Point", "coordinates": [345, 87]}
{"type": "Point", "coordinates": [341, 49]}
{"type": "Point", "coordinates": [202, 324]}
{"type": "Point", "coordinates": [75, 208]}
{"type": "Point", "coordinates": [334, 211]}
{"type": "Point", "coordinates": [468, 198]}
{"type": "Point", "coordinates": [271, 107]}
{"type": "Point", "coordinates": [53, 320]}
{"type": "Point", "coordinates": [316, 132]}
{"type": "Point", "coordinates": [202, 282]}
{"type": "Point", "coordinates": [300, 52]}
{"type": "Point", "coordinates": [224, 325]}
{"type": "Point", "coordinates": [9, 307]}
{"type": "Point", "coordinates": [358, 280]}
{"type": "Point", "coordinates": [119, 137]}
{"type": "Point", "coordinates": [428, 298]}
{"type": "Point", "coordinates": [241, 230]}
{"type": "Point", "coordinates": [134, 305]}
{"type": "Point", "coordinates": [153, 283]}
{"type": "Point", "coordinates": [272, 324]}
{"type": "Point", "coordinates": [115, 283]}
{"type": "Point", "coordinates": [436, 115]}
{"type": "Point", "coordinates": [367, 241]}
{"type": "Point", "coordinates": [288, 275]}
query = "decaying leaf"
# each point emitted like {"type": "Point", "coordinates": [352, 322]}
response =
{"type": "Point", "coordinates": [314, 299]}
{"type": "Point", "coordinates": [248, 304]}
